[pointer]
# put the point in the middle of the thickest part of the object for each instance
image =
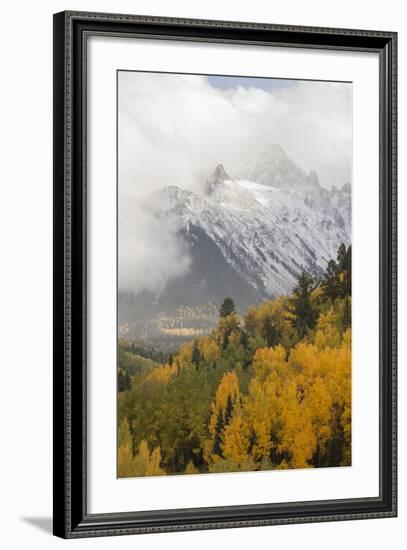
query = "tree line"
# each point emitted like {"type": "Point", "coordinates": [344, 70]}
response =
{"type": "Point", "coordinates": [269, 390]}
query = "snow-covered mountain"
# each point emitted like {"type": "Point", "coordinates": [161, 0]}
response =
{"type": "Point", "coordinates": [275, 169]}
{"type": "Point", "coordinates": [250, 238]}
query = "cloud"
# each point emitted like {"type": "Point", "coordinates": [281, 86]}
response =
{"type": "Point", "coordinates": [174, 130]}
{"type": "Point", "coordinates": [149, 252]}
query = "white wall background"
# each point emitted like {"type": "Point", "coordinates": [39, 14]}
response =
{"type": "Point", "coordinates": [26, 271]}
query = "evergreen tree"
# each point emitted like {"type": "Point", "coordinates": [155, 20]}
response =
{"type": "Point", "coordinates": [344, 261]}
{"type": "Point", "coordinates": [337, 281]}
{"type": "Point", "coordinates": [244, 339]}
{"type": "Point", "coordinates": [196, 355]}
{"type": "Point", "coordinates": [347, 313]}
{"type": "Point", "coordinates": [225, 341]}
{"type": "Point", "coordinates": [270, 333]}
{"type": "Point", "coordinates": [123, 380]}
{"type": "Point", "coordinates": [227, 307]}
{"type": "Point", "coordinates": [334, 454]}
{"type": "Point", "coordinates": [244, 342]}
{"type": "Point", "coordinates": [300, 306]}
{"type": "Point", "coordinates": [252, 441]}
{"type": "Point", "coordinates": [228, 410]}
{"type": "Point", "coordinates": [217, 442]}
{"type": "Point", "coordinates": [330, 283]}
{"type": "Point", "coordinates": [341, 256]}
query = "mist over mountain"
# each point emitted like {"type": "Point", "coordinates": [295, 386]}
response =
{"type": "Point", "coordinates": [275, 169]}
{"type": "Point", "coordinates": [247, 237]}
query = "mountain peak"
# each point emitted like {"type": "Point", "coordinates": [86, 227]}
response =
{"type": "Point", "coordinates": [219, 175]}
{"type": "Point", "coordinates": [258, 232]}
{"type": "Point", "coordinates": [313, 180]}
{"type": "Point", "coordinates": [275, 169]}
{"type": "Point", "coordinates": [273, 153]}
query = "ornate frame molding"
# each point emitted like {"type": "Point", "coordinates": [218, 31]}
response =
{"type": "Point", "coordinates": [71, 30]}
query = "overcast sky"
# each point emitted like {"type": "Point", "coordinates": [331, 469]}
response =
{"type": "Point", "coordinates": [174, 130]}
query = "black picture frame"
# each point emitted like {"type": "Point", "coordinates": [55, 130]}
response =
{"type": "Point", "coordinates": [71, 518]}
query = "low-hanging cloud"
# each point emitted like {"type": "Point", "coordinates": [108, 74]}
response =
{"type": "Point", "coordinates": [149, 252]}
{"type": "Point", "coordinates": [174, 130]}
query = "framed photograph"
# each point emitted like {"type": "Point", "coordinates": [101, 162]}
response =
{"type": "Point", "coordinates": [224, 274]}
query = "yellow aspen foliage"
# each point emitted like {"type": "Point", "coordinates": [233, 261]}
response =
{"type": "Point", "coordinates": [143, 463]}
{"type": "Point", "coordinates": [276, 311]}
{"type": "Point", "coordinates": [261, 447]}
{"type": "Point", "coordinates": [342, 390]}
{"type": "Point", "coordinates": [328, 332]}
{"type": "Point", "coordinates": [125, 450]}
{"type": "Point", "coordinates": [267, 360]}
{"type": "Point", "coordinates": [319, 402]}
{"type": "Point", "coordinates": [304, 360]}
{"type": "Point", "coordinates": [316, 295]}
{"type": "Point", "coordinates": [271, 390]}
{"type": "Point", "coordinates": [335, 363]}
{"type": "Point", "coordinates": [184, 355]}
{"type": "Point", "coordinates": [125, 461]}
{"type": "Point", "coordinates": [262, 410]}
{"type": "Point", "coordinates": [209, 349]}
{"type": "Point", "coordinates": [251, 320]}
{"type": "Point", "coordinates": [163, 373]}
{"type": "Point", "coordinates": [142, 458]}
{"type": "Point", "coordinates": [236, 440]}
{"type": "Point", "coordinates": [226, 465]}
{"type": "Point", "coordinates": [346, 423]}
{"type": "Point", "coordinates": [124, 436]}
{"type": "Point", "coordinates": [146, 463]}
{"type": "Point", "coordinates": [298, 439]}
{"type": "Point", "coordinates": [153, 466]}
{"type": "Point", "coordinates": [234, 339]}
{"type": "Point", "coordinates": [229, 386]}
{"type": "Point", "coordinates": [230, 323]}
{"type": "Point", "coordinates": [191, 469]}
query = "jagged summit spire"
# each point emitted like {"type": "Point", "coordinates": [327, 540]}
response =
{"type": "Point", "coordinates": [273, 153]}
{"type": "Point", "coordinates": [313, 180]}
{"type": "Point", "coordinates": [219, 175]}
{"type": "Point", "coordinates": [275, 169]}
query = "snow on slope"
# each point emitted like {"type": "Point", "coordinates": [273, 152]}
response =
{"type": "Point", "coordinates": [268, 229]}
